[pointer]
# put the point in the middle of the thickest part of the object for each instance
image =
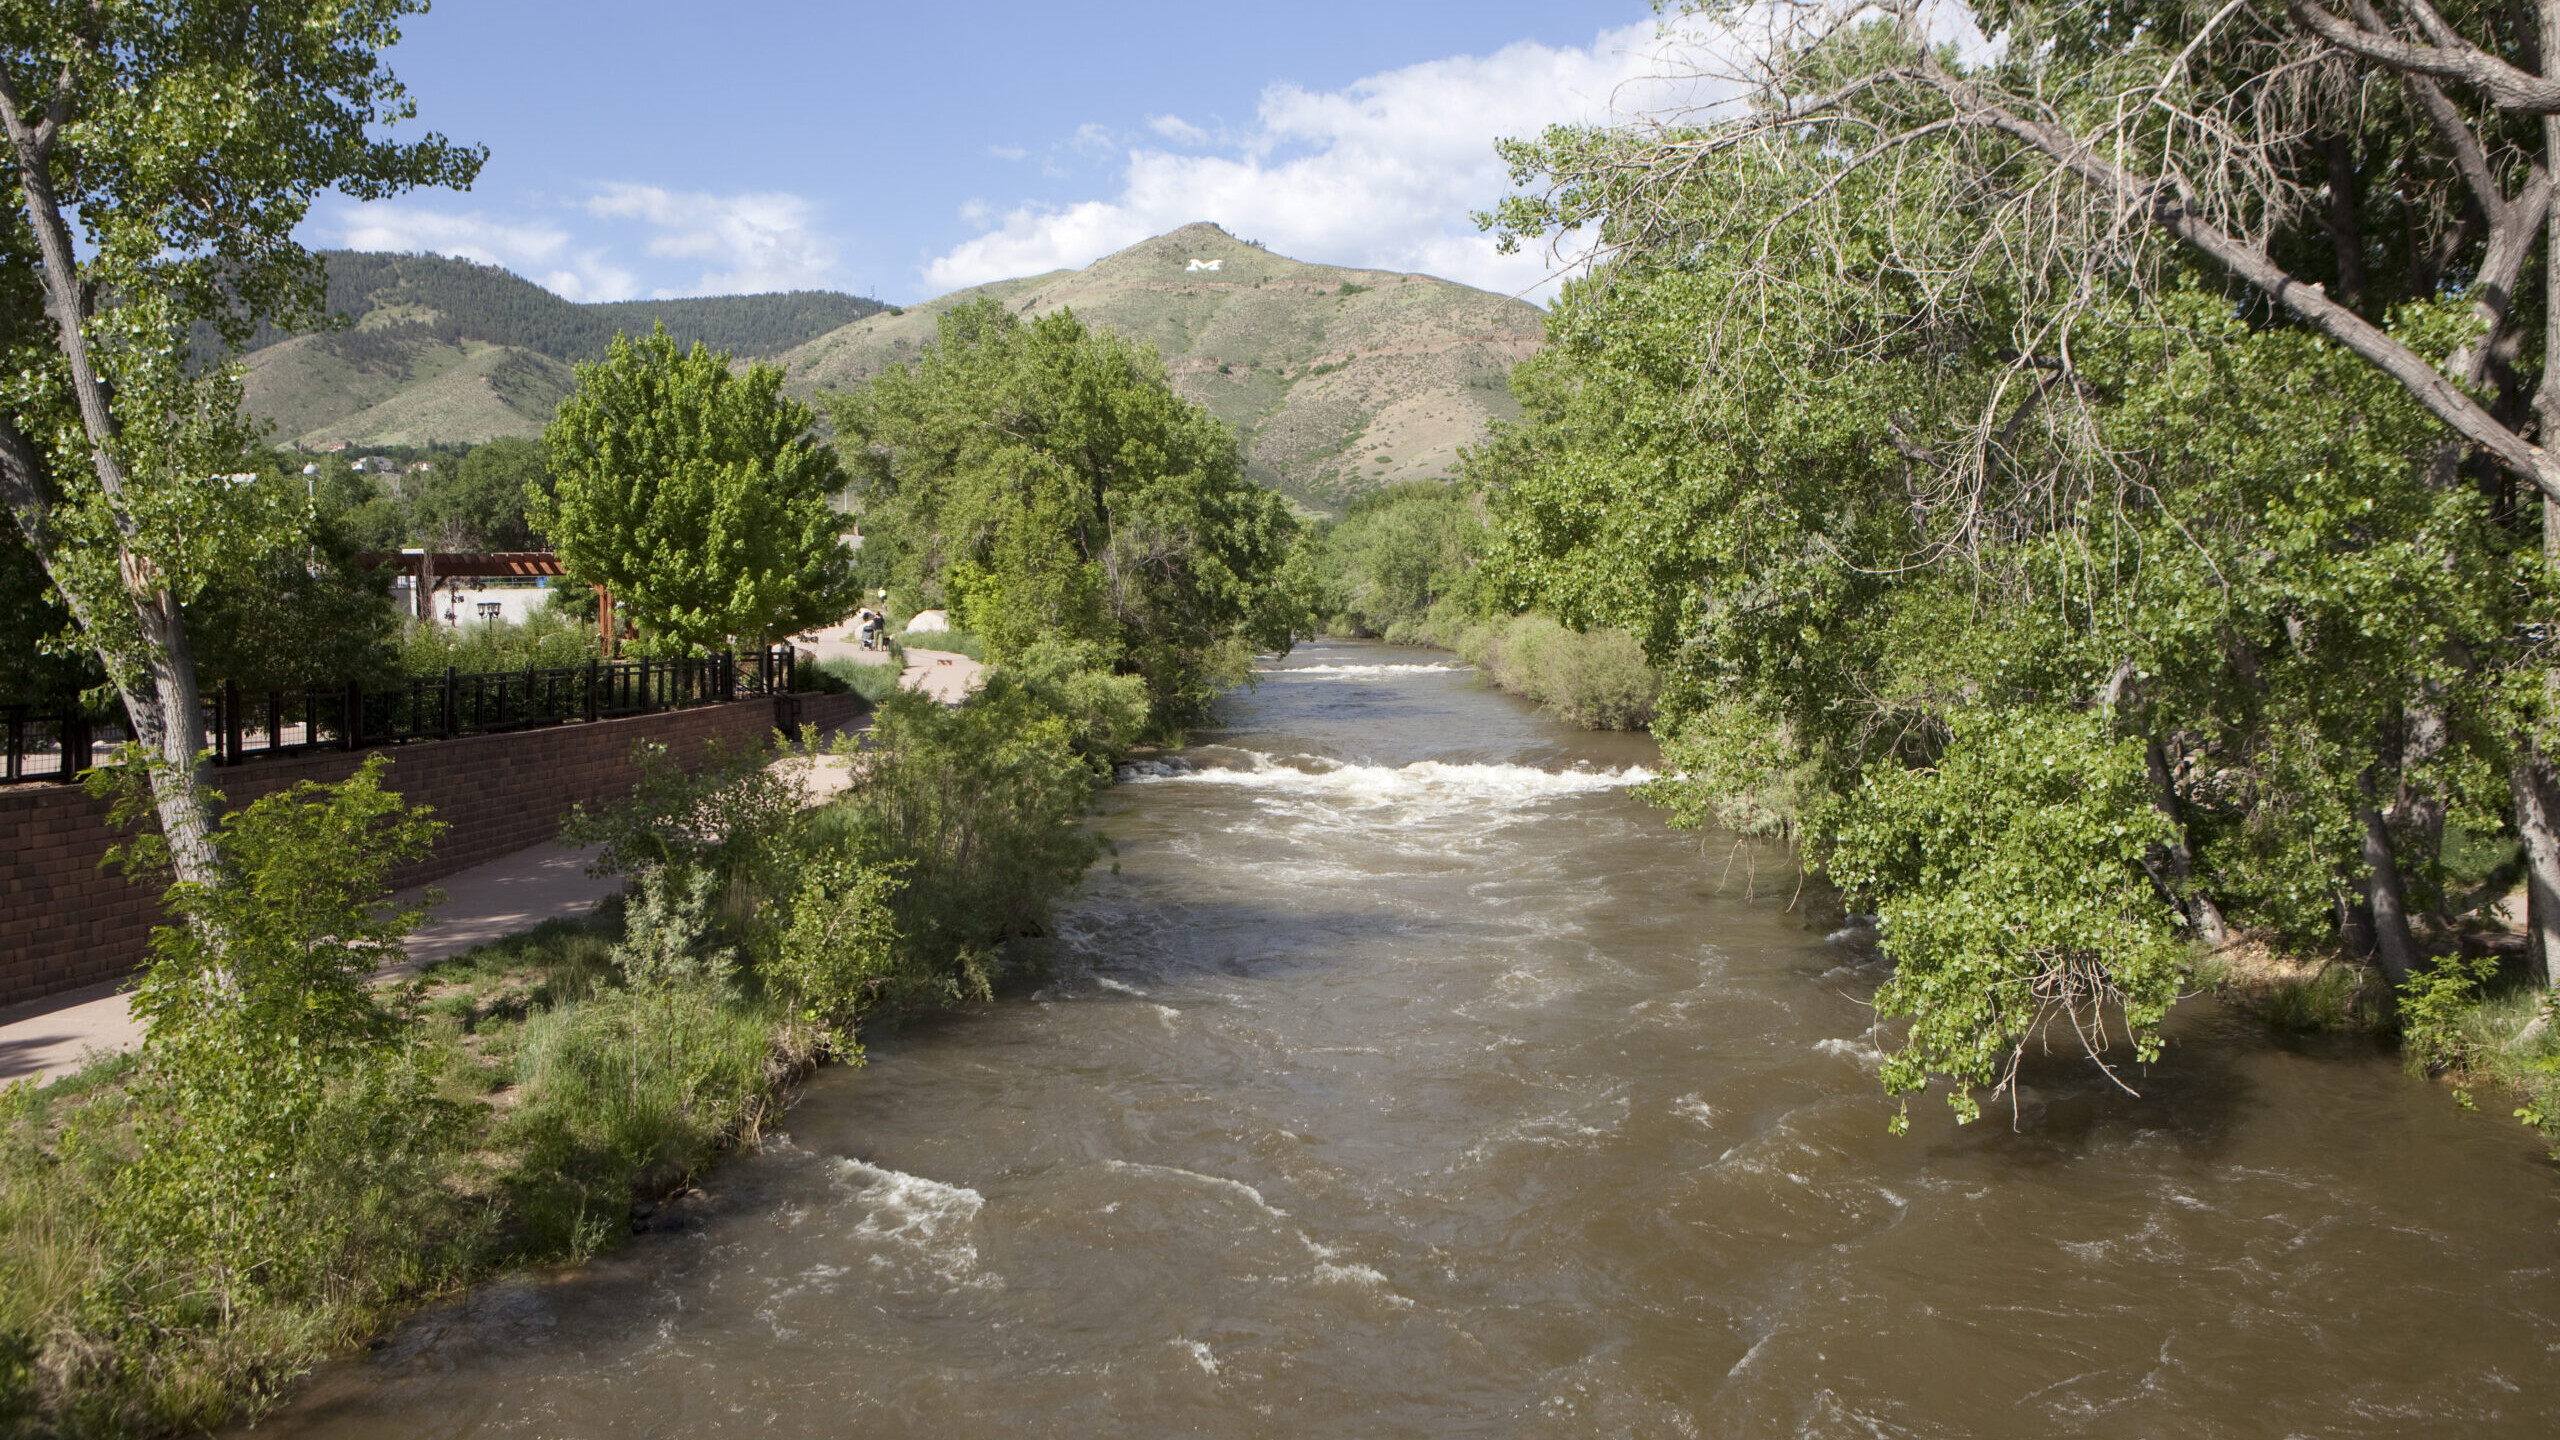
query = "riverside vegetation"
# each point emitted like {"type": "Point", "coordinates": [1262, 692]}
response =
{"type": "Point", "coordinates": [2082, 582]}
{"type": "Point", "coordinates": [1406, 564]}
{"type": "Point", "coordinates": [300, 1149]}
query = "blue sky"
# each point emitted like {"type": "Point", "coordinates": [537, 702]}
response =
{"type": "Point", "coordinates": [642, 148]}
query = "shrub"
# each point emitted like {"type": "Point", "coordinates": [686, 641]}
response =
{"type": "Point", "coordinates": [550, 636]}
{"type": "Point", "coordinates": [839, 953]}
{"type": "Point", "coordinates": [979, 804]}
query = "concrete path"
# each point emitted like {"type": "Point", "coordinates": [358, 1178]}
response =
{"type": "Point", "coordinates": [945, 675]}
{"type": "Point", "coordinates": [512, 893]}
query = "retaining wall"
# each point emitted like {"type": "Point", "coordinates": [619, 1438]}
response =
{"type": "Point", "coordinates": [66, 922]}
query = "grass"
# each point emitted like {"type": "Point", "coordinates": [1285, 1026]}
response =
{"type": "Point", "coordinates": [2496, 1048]}
{"type": "Point", "coordinates": [873, 683]}
{"type": "Point", "coordinates": [1598, 680]}
{"type": "Point", "coordinates": [955, 642]}
{"type": "Point", "coordinates": [2296, 994]}
{"type": "Point", "coordinates": [584, 1102]}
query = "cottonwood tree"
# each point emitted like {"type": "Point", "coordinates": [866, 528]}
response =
{"type": "Point", "coordinates": [2379, 175]}
{"type": "Point", "coordinates": [163, 152]}
{"type": "Point", "coordinates": [1044, 480]}
{"type": "Point", "coordinates": [698, 495]}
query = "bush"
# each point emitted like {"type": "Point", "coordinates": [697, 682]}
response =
{"type": "Point", "coordinates": [950, 642]}
{"type": "Point", "coordinates": [267, 1179]}
{"type": "Point", "coordinates": [552, 635]}
{"type": "Point", "coordinates": [978, 804]}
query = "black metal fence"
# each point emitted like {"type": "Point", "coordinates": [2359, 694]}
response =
{"type": "Point", "coordinates": [242, 727]}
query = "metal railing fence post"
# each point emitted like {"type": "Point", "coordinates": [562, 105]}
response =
{"type": "Point", "coordinates": [231, 722]}
{"type": "Point", "coordinates": [448, 717]}
{"type": "Point", "coordinates": [352, 727]}
{"type": "Point", "coordinates": [74, 736]}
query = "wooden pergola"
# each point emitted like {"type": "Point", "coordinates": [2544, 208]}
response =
{"type": "Point", "coordinates": [429, 568]}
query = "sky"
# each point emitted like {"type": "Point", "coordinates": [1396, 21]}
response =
{"type": "Point", "coordinates": [640, 149]}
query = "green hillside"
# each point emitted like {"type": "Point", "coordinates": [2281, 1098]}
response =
{"type": "Point", "coordinates": [446, 350]}
{"type": "Point", "coordinates": [1338, 380]}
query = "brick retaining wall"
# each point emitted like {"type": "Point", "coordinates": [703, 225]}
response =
{"type": "Point", "coordinates": [67, 923]}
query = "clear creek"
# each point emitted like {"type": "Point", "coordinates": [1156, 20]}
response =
{"type": "Point", "coordinates": [1408, 1077]}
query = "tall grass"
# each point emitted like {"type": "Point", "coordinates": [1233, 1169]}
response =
{"type": "Point", "coordinates": [1596, 679]}
{"type": "Point", "coordinates": [874, 683]}
{"type": "Point", "coordinates": [625, 1096]}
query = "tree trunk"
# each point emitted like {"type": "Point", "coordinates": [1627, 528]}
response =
{"type": "Point", "coordinates": [158, 685]}
{"type": "Point", "coordinates": [2388, 900]}
{"type": "Point", "coordinates": [2178, 858]}
{"type": "Point", "coordinates": [2538, 821]}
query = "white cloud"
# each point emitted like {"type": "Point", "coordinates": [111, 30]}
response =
{"type": "Point", "coordinates": [734, 244]}
{"type": "Point", "coordinates": [1177, 129]}
{"type": "Point", "coordinates": [1382, 173]}
{"type": "Point", "coordinates": [545, 253]}
{"type": "Point", "coordinates": [407, 228]}
{"type": "Point", "coordinates": [758, 241]}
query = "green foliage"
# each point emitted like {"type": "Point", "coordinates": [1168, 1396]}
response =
{"type": "Point", "coordinates": [2217, 546]}
{"type": "Point", "coordinates": [299, 610]}
{"type": "Point", "coordinates": [874, 683]}
{"type": "Point", "coordinates": [271, 104]}
{"type": "Point", "coordinates": [287, 1135]}
{"type": "Point", "coordinates": [627, 1093]}
{"type": "Point", "coordinates": [1045, 482]}
{"type": "Point", "coordinates": [839, 952]}
{"type": "Point", "coordinates": [1393, 555]}
{"type": "Point", "coordinates": [551, 634]}
{"type": "Point", "coordinates": [977, 806]}
{"type": "Point", "coordinates": [953, 642]}
{"type": "Point", "coordinates": [42, 662]}
{"type": "Point", "coordinates": [1599, 680]}
{"type": "Point", "coordinates": [698, 495]}
{"type": "Point", "coordinates": [2007, 880]}
{"type": "Point", "coordinates": [480, 502]}
{"type": "Point", "coordinates": [2436, 1006]}
{"type": "Point", "coordinates": [730, 813]}
{"type": "Point", "coordinates": [1105, 714]}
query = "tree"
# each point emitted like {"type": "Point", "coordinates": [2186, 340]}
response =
{"type": "Point", "coordinates": [481, 501]}
{"type": "Point", "coordinates": [187, 137]}
{"type": "Point", "coordinates": [698, 495]}
{"type": "Point", "coordinates": [2379, 180]}
{"type": "Point", "coordinates": [2063, 624]}
{"type": "Point", "coordinates": [1045, 481]}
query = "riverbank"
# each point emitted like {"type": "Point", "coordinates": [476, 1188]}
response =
{"type": "Point", "coordinates": [531, 1101]}
{"type": "Point", "coordinates": [1597, 679]}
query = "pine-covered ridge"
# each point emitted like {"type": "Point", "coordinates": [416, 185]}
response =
{"type": "Point", "coordinates": [445, 350]}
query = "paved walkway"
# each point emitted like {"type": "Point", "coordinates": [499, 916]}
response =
{"type": "Point", "coordinates": [49, 1037]}
{"type": "Point", "coordinates": [945, 675]}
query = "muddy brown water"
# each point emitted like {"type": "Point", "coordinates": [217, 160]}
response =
{"type": "Point", "coordinates": [1410, 1078]}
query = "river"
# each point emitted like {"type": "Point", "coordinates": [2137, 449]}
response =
{"type": "Point", "coordinates": [1405, 1076]}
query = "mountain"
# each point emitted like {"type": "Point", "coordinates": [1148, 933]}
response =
{"type": "Point", "coordinates": [446, 350]}
{"type": "Point", "coordinates": [1338, 380]}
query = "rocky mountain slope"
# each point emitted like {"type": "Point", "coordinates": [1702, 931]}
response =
{"type": "Point", "coordinates": [1338, 380]}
